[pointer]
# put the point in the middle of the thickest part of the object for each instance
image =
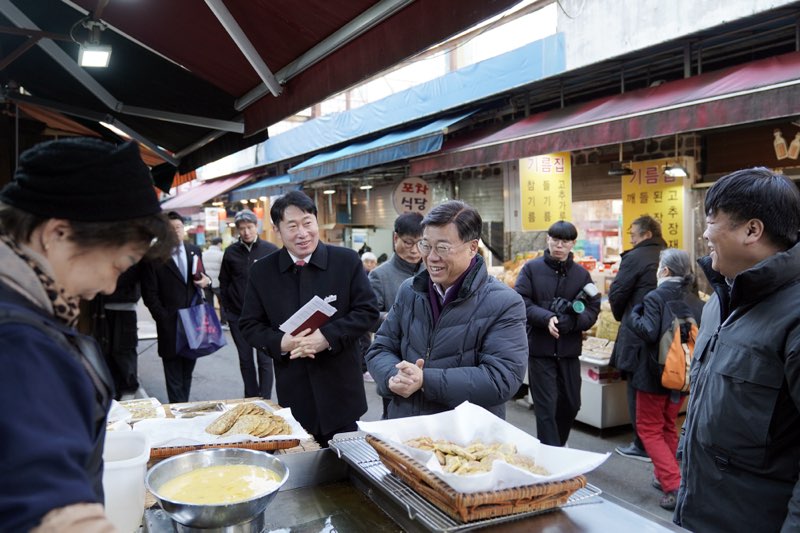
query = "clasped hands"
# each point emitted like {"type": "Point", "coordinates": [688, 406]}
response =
{"type": "Point", "coordinates": [304, 344]}
{"type": "Point", "coordinates": [408, 379]}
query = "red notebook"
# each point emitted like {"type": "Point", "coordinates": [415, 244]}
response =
{"type": "Point", "coordinates": [315, 313]}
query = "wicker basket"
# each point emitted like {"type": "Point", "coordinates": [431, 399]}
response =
{"type": "Point", "coordinates": [478, 505]}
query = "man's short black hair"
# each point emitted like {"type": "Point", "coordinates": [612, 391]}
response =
{"type": "Point", "coordinates": [296, 198]}
{"type": "Point", "coordinates": [464, 216]}
{"type": "Point", "coordinates": [174, 215]}
{"type": "Point", "coordinates": [408, 224]}
{"type": "Point", "coordinates": [563, 230]}
{"type": "Point", "coordinates": [647, 223]}
{"type": "Point", "coordinates": [761, 194]}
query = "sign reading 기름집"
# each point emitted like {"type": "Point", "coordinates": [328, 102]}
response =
{"type": "Point", "coordinates": [545, 190]}
{"type": "Point", "coordinates": [649, 191]}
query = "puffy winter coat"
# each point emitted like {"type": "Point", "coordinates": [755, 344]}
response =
{"type": "Point", "coordinates": [741, 458]}
{"type": "Point", "coordinates": [539, 282]}
{"type": "Point", "coordinates": [636, 277]}
{"type": "Point", "coordinates": [476, 352]}
{"type": "Point", "coordinates": [233, 273]}
{"type": "Point", "coordinates": [646, 321]}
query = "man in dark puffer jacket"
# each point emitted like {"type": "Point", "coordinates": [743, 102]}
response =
{"type": "Point", "coordinates": [554, 334]}
{"type": "Point", "coordinates": [454, 334]}
{"type": "Point", "coordinates": [636, 277]}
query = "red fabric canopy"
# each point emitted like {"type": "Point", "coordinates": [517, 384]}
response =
{"type": "Point", "coordinates": [757, 91]}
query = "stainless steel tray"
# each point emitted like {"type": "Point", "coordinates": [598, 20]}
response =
{"type": "Point", "coordinates": [363, 458]}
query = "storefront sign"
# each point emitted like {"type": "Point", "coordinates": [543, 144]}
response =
{"type": "Point", "coordinates": [648, 191]}
{"type": "Point", "coordinates": [546, 190]}
{"type": "Point", "coordinates": [412, 195]}
{"type": "Point", "coordinates": [212, 218]}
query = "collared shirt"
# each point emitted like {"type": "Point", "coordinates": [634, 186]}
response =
{"type": "Point", "coordinates": [179, 256]}
{"type": "Point", "coordinates": [307, 259]}
{"type": "Point", "coordinates": [441, 292]}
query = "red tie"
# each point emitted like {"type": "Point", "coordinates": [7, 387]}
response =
{"type": "Point", "coordinates": [300, 263]}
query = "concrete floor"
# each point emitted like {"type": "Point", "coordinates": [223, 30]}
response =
{"type": "Point", "coordinates": [217, 377]}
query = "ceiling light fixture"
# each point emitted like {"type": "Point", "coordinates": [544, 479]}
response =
{"type": "Point", "coordinates": [675, 171]}
{"type": "Point", "coordinates": [92, 54]}
{"type": "Point", "coordinates": [365, 187]}
{"type": "Point", "coordinates": [329, 191]}
{"type": "Point", "coordinates": [618, 168]}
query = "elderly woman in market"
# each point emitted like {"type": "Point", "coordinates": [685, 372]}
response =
{"type": "Point", "coordinates": [77, 214]}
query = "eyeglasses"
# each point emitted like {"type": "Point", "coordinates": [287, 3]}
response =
{"type": "Point", "coordinates": [442, 250]}
{"type": "Point", "coordinates": [562, 242]}
{"type": "Point", "coordinates": [409, 243]}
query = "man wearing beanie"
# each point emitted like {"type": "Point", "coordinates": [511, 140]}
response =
{"type": "Point", "coordinates": [77, 213]}
{"type": "Point", "coordinates": [236, 263]}
{"type": "Point", "coordinates": [167, 287]}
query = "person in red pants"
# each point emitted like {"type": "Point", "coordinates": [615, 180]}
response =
{"type": "Point", "coordinates": [657, 407]}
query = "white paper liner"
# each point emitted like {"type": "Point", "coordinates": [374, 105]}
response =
{"type": "Point", "coordinates": [192, 431]}
{"type": "Point", "coordinates": [469, 422]}
{"type": "Point", "coordinates": [152, 403]}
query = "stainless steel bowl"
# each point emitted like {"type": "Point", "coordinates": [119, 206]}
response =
{"type": "Point", "coordinates": [214, 516]}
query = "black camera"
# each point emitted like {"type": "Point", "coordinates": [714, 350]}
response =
{"type": "Point", "coordinates": [562, 306]}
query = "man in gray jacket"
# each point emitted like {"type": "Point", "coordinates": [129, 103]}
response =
{"type": "Point", "coordinates": [741, 457]}
{"type": "Point", "coordinates": [454, 333]}
{"type": "Point", "coordinates": [406, 262]}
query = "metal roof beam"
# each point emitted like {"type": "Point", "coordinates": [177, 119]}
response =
{"type": "Point", "coordinates": [245, 46]}
{"type": "Point", "coordinates": [94, 116]}
{"type": "Point", "coordinates": [359, 25]}
{"type": "Point", "coordinates": [17, 17]}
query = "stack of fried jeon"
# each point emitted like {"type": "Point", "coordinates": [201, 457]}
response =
{"type": "Point", "coordinates": [476, 457]}
{"type": "Point", "coordinates": [249, 419]}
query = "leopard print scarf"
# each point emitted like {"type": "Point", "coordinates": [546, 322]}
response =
{"type": "Point", "coordinates": [65, 308]}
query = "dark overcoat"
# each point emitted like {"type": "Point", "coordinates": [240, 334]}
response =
{"type": "Point", "coordinates": [327, 392]}
{"type": "Point", "coordinates": [164, 291]}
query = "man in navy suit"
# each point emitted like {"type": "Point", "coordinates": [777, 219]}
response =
{"type": "Point", "coordinates": [317, 373]}
{"type": "Point", "coordinates": [167, 287]}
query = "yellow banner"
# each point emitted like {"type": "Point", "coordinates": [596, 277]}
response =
{"type": "Point", "coordinates": [650, 192]}
{"type": "Point", "coordinates": [545, 190]}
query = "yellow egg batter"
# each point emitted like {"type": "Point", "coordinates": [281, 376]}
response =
{"type": "Point", "coordinates": [220, 484]}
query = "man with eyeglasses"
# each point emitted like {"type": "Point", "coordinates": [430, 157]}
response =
{"type": "Point", "coordinates": [454, 333]}
{"type": "Point", "coordinates": [636, 277]}
{"type": "Point", "coordinates": [551, 285]}
{"type": "Point", "coordinates": [406, 262]}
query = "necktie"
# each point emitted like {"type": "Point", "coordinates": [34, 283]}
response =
{"type": "Point", "coordinates": [180, 259]}
{"type": "Point", "coordinates": [300, 263]}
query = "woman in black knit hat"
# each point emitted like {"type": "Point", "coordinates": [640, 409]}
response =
{"type": "Point", "coordinates": [77, 214]}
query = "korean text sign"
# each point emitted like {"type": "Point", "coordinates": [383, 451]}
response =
{"type": "Point", "coordinates": [545, 190]}
{"type": "Point", "coordinates": [413, 195]}
{"type": "Point", "coordinates": [649, 191]}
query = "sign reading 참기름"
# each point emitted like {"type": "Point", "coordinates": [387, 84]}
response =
{"type": "Point", "coordinates": [545, 190]}
{"type": "Point", "coordinates": [649, 191]}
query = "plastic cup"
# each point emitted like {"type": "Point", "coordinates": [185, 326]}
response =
{"type": "Point", "coordinates": [125, 455]}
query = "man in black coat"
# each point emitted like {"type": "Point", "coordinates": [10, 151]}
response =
{"type": "Point", "coordinates": [317, 373]}
{"type": "Point", "coordinates": [167, 287]}
{"type": "Point", "coordinates": [636, 277]}
{"type": "Point", "coordinates": [548, 285]}
{"type": "Point", "coordinates": [236, 263]}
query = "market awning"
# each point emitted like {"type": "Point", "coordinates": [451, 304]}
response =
{"type": "Point", "coordinates": [754, 92]}
{"type": "Point", "coordinates": [195, 80]}
{"type": "Point", "coordinates": [394, 146]}
{"type": "Point", "coordinates": [265, 187]}
{"type": "Point", "coordinates": [196, 197]}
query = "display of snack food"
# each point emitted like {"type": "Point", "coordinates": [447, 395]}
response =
{"type": "Point", "coordinates": [143, 408]}
{"type": "Point", "coordinates": [474, 458]}
{"type": "Point", "coordinates": [249, 419]}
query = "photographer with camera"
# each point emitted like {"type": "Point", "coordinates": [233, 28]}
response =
{"type": "Point", "coordinates": [561, 302]}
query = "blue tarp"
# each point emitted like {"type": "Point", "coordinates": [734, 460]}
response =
{"type": "Point", "coordinates": [266, 187]}
{"type": "Point", "coordinates": [393, 146]}
{"type": "Point", "coordinates": [517, 68]}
